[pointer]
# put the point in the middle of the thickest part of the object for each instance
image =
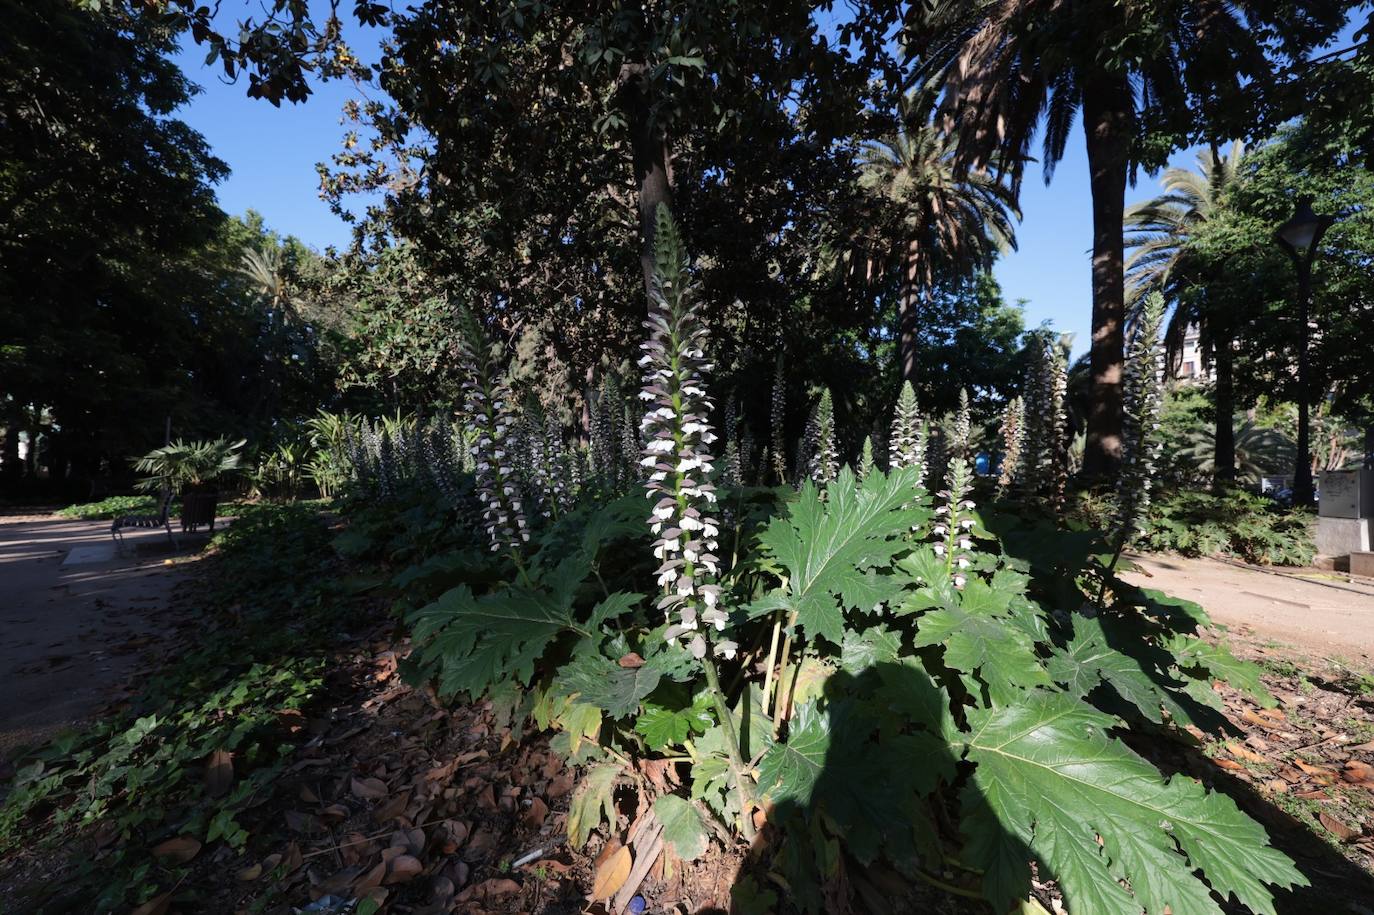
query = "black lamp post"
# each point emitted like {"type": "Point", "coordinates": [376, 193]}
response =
{"type": "Point", "coordinates": [1300, 235]}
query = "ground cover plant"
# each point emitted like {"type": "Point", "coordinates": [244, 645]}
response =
{"type": "Point", "coordinates": [178, 765]}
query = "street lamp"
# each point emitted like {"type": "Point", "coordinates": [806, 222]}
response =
{"type": "Point", "coordinates": [1300, 235]}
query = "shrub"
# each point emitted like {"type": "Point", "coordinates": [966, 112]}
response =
{"type": "Point", "coordinates": [111, 507]}
{"type": "Point", "coordinates": [1231, 523]}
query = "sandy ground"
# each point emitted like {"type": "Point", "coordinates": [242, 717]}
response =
{"type": "Point", "coordinates": [1325, 618]}
{"type": "Point", "coordinates": [72, 634]}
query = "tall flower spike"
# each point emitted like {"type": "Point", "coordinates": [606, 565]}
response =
{"type": "Point", "coordinates": [866, 459]}
{"type": "Point", "coordinates": [677, 453]}
{"type": "Point", "coordinates": [907, 447]}
{"type": "Point", "coordinates": [606, 438]}
{"type": "Point", "coordinates": [1144, 374]}
{"type": "Point", "coordinates": [630, 446]}
{"type": "Point", "coordinates": [777, 417]}
{"type": "Point", "coordinates": [487, 403]}
{"type": "Point", "coordinates": [1012, 431]}
{"type": "Point", "coordinates": [954, 521]}
{"type": "Point", "coordinates": [825, 463]}
{"type": "Point", "coordinates": [732, 474]}
{"type": "Point", "coordinates": [961, 430]}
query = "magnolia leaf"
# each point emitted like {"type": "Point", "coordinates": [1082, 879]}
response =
{"type": "Point", "coordinates": [612, 874]}
{"type": "Point", "coordinates": [219, 773]}
{"type": "Point", "coordinates": [591, 802]}
{"type": "Point", "coordinates": [682, 826]}
{"type": "Point", "coordinates": [1050, 783]}
{"type": "Point", "coordinates": [829, 547]}
{"type": "Point", "coordinates": [178, 850]}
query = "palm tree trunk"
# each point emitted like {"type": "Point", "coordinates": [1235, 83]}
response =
{"type": "Point", "coordinates": [1108, 122]}
{"type": "Point", "coordinates": [906, 317]}
{"type": "Point", "coordinates": [653, 175]}
{"type": "Point", "coordinates": [1224, 447]}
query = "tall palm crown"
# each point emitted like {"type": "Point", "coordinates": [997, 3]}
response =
{"type": "Point", "coordinates": [944, 217]}
{"type": "Point", "coordinates": [1159, 231]}
{"type": "Point", "coordinates": [929, 217]}
{"type": "Point", "coordinates": [1139, 72]}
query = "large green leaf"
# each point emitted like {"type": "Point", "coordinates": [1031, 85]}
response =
{"type": "Point", "coordinates": [1139, 673]}
{"type": "Point", "coordinates": [682, 826]}
{"type": "Point", "coordinates": [1217, 660]}
{"type": "Point", "coordinates": [979, 635]}
{"type": "Point", "coordinates": [788, 771]}
{"type": "Point", "coordinates": [829, 547]}
{"type": "Point", "coordinates": [605, 684]}
{"type": "Point", "coordinates": [1051, 784]}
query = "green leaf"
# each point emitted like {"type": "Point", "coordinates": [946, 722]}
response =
{"type": "Point", "coordinates": [682, 826]}
{"type": "Point", "coordinates": [875, 645]}
{"type": "Point", "coordinates": [979, 636]}
{"type": "Point", "coordinates": [1140, 677]}
{"type": "Point", "coordinates": [591, 802]}
{"type": "Point", "coordinates": [605, 684]}
{"type": "Point", "coordinates": [1218, 661]}
{"type": "Point", "coordinates": [788, 771]}
{"type": "Point", "coordinates": [829, 547]}
{"type": "Point", "coordinates": [664, 727]}
{"type": "Point", "coordinates": [1050, 781]}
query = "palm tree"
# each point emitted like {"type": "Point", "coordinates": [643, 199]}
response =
{"type": "Point", "coordinates": [1257, 450]}
{"type": "Point", "coordinates": [930, 218]}
{"type": "Point", "coordinates": [1161, 232]}
{"type": "Point", "coordinates": [263, 269]}
{"type": "Point", "coordinates": [1136, 72]}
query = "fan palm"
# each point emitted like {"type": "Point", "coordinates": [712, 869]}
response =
{"type": "Point", "coordinates": [932, 219]}
{"type": "Point", "coordinates": [1161, 231]}
{"type": "Point", "coordinates": [263, 269]}
{"type": "Point", "coordinates": [1258, 450]}
{"type": "Point", "coordinates": [1136, 72]}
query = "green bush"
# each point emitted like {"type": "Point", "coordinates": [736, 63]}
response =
{"type": "Point", "coordinates": [1232, 523]}
{"type": "Point", "coordinates": [111, 507]}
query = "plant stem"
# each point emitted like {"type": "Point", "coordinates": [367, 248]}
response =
{"type": "Point", "coordinates": [772, 654]}
{"type": "Point", "coordinates": [782, 672]}
{"type": "Point", "coordinates": [948, 887]}
{"type": "Point", "coordinates": [732, 745]}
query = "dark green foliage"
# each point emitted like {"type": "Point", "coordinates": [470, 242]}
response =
{"type": "Point", "coordinates": [1231, 523]}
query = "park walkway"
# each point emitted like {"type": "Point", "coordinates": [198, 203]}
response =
{"type": "Point", "coordinates": [75, 618]}
{"type": "Point", "coordinates": [1326, 617]}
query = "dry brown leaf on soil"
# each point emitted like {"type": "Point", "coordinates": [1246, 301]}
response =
{"type": "Point", "coordinates": [178, 850]}
{"type": "Point", "coordinates": [1240, 752]}
{"type": "Point", "coordinates": [1222, 762]}
{"type": "Point", "coordinates": [219, 773]}
{"type": "Point", "coordinates": [1320, 774]}
{"type": "Point", "coordinates": [1337, 828]}
{"type": "Point", "coordinates": [292, 860]}
{"type": "Point", "coordinates": [251, 872]}
{"type": "Point", "coordinates": [392, 808]}
{"type": "Point", "coordinates": [402, 869]}
{"type": "Point", "coordinates": [631, 661]}
{"type": "Point", "coordinates": [369, 788]}
{"type": "Point", "coordinates": [1358, 773]}
{"type": "Point", "coordinates": [534, 816]}
{"type": "Point", "coordinates": [612, 873]}
{"type": "Point", "coordinates": [158, 905]}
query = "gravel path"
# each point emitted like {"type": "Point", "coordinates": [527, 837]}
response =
{"type": "Point", "coordinates": [75, 619]}
{"type": "Point", "coordinates": [1326, 617]}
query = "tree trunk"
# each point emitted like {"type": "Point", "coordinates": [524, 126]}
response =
{"type": "Point", "coordinates": [1224, 445]}
{"type": "Point", "coordinates": [653, 175]}
{"type": "Point", "coordinates": [906, 318]}
{"type": "Point", "coordinates": [1108, 122]}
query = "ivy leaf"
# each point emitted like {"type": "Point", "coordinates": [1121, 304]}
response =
{"type": "Point", "coordinates": [591, 802]}
{"type": "Point", "coordinates": [789, 771]}
{"type": "Point", "coordinates": [682, 826]}
{"type": "Point", "coordinates": [1050, 781]}
{"type": "Point", "coordinates": [829, 547]}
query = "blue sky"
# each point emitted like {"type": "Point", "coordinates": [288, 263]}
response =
{"type": "Point", "coordinates": [273, 152]}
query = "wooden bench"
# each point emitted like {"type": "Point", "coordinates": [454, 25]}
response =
{"type": "Point", "coordinates": [148, 522]}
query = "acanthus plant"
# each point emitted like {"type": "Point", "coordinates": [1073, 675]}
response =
{"type": "Point", "coordinates": [777, 419]}
{"type": "Point", "coordinates": [490, 415]}
{"type": "Point", "coordinates": [823, 452]}
{"type": "Point", "coordinates": [1012, 433]}
{"type": "Point", "coordinates": [909, 440]}
{"type": "Point", "coordinates": [932, 714]}
{"type": "Point", "coordinates": [1043, 471]}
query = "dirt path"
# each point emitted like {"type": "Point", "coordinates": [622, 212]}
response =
{"type": "Point", "coordinates": [1329, 620]}
{"type": "Point", "coordinates": [75, 618]}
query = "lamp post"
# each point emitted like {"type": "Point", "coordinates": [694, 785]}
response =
{"type": "Point", "coordinates": [1300, 235]}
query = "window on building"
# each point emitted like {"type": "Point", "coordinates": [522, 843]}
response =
{"type": "Point", "coordinates": [1187, 371]}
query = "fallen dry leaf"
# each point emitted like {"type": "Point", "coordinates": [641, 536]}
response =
{"type": "Point", "coordinates": [251, 872]}
{"type": "Point", "coordinates": [403, 868]}
{"type": "Point", "coordinates": [1358, 773]}
{"type": "Point", "coordinates": [219, 773]}
{"type": "Point", "coordinates": [1223, 763]}
{"type": "Point", "coordinates": [631, 661]}
{"type": "Point", "coordinates": [1337, 828]}
{"type": "Point", "coordinates": [1240, 752]}
{"type": "Point", "coordinates": [612, 874]}
{"type": "Point", "coordinates": [369, 788]}
{"type": "Point", "coordinates": [158, 905]}
{"type": "Point", "coordinates": [536, 813]}
{"type": "Point", "coordinates": [392, 808]}
{"type": "Point", "coordinates": [178, 850]}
